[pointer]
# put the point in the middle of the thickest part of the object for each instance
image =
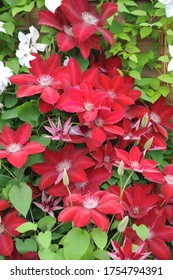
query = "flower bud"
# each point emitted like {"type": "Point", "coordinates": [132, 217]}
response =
{"type": "Point", "coordinates": [144, 120]}
{"type": "Point", "coordinates": [148, 144]}
{"type": "Point", "coordinates": [65, 178]}
{"type": "Point", "coordinates": [123, 224]}
{"type": "Point", "coordinates": [120, 170]}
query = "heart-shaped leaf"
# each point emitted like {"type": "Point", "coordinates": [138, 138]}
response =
{"type": "Point", "coordinates": [21, 198]}
{"type": "Point", "coordinates": [99, 237]}
{"type": "Point", "coordinates": [28, 245]}
{"type": "Point", "coordinates": [141, 231]}
{"type": "Point", "coordinates": [45, 238]}
{"type": "Point", "coordinates": [26, 227]}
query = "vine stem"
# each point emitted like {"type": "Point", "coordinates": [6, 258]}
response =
{"type": "Point", "coordinates": [8, 171]}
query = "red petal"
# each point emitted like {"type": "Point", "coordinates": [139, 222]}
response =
{"type": "Point", "coordinates": [49, 95]}
{"type": "Point", "coordinates": [23, 133]}
{"type": "Point", "coordinates": [74, 71]}
{"type": "Point", "coordinates": [70, 12]}
{"type": "Point", "coordinates": [6, 247]}
{"type": "Point", "coordinates": [82, 31]}
{"type": "Point", "coordinates": [168, 169]}
{"type": "Point", "coordinates": [22, 79]}
{"type": "Point", "coordinates": [77, 175]}
{"type": "Point", "coordinates": [7, 136]}
{"type": "Point", "coordinates": [3, 154]}
{"type": "Point", "coordinates": [34, 148]}
{"type": "Point", "coordinates": [107, 10]}
{"type": "Point", "coordinates": [18, 159]}
{"type": "Point", "coordinates": [134, 154]}
{"type": "Point", "coordinates": [44, 107]}
{"type": "Point", "coordinates": [47, 180]}
{"type": "Point", "coordinates": [67, 214]}
{"type": "Point", "coordinates": [82, 217]}
{"type": "Point", "coordinates": [37, 66]}
{"type": "Point", "coordinates": [154, 176]}
{"type": "Point", "coordinates": [107, 35]}
{"type": "Point", "coordinates": [159, 249]}
{"type": "Point", "coordinates": [52, 63]}
{"type": "Point", "coordinates": [65, 42]}
{"type": "Point", "coordinates": [28, 90]}
{"type": "Point", "coordinates": [98, 136]}
{"type": "Point", "coordinates": [49, 19]}
{"type": "Point", "coordinates": [99, 219]}
{"type": "Point", "coordinates": [4, 204]}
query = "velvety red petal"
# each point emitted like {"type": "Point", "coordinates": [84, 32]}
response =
{"type": "Point", "coordinates": [37, 66]}
{"type": "Point", "coordinates": [52, 63]}
{"type": "Point", "coordinates": [99, 219]}
{"type": "Point", "coordinates": [110, 207]}
{"type": "Point", "coordinates": [18, 159]}
{"type": "Point", "coordinates": [154, 176]}
{"type": "Point", "coordinates": [4, 204]}
{"type": "Point", "coordinates": [82, 217]}
{"type": "Point", "coordinates": [159, 249]}
{"type": "Point", "coordinates": [74, 71]}
{"type": "Point", "coordinates": [67, 214]}
{"type": "Point", "coordinates": [168, 169]}
{"type": "Point", "coordinates": [47, 180]}
{"type": "Point", "coordinates": [49, 95]}
{"type": "Point", "coordinates": [28, 90]}
{"type": "Point", "coordinates": [106, 34]}
{"type": "Point", "coordinates": [7, 136]}
{"type": "Point", "coordinates": [23, 133]}
{"type": "Point", "coordinates": [6, 244]}
{"type": "Point", "coordinates": [82, 31]}
{"type": "Point", "coordinates": [70, 12]}
{"type": "Point", "coordinates": [98, 136]}
{"type": "Point", "coordinates": [134, 154]}
{"type": "Point", "coordinates": [34, 148]}
{"type": "Point", "coordinates": [65, 42]}
{"type": "Point", "coordinates": [22, 79]}
{"type": "Point", "coordinates": [107, 10]}
{"type": "Point", "coordinates": [45, 107]}
{"type": "Point", "coordinates": [77, 175]}
{"type": "Point", "coordinates": [49, 19]}
{"type": "Point", "coordinates": [3, 154]}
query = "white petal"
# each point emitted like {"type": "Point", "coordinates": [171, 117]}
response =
{"type": "Point", "coordinates": [40, 47]}
{"type": "Point", "coordinates": [171, 50]}
{"type": "Point", "coordinates": [169, 10]}
{"type": "Point", "coordinates": [165, 2]}
{"type": "Point", "coordinates": [1, 27]}
{"type": "Point", "coordinates": [34, 34]}
{"type": "Point", "coordinates": [51, 5]}
{"type": "Point", "coordinates": [170, 65]}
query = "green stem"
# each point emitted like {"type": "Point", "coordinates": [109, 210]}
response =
{"type": "Point", "coordinates": [126, 183]}
{"type": "Point", "coordinates": [8, 171]}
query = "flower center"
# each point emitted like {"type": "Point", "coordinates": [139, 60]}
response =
{"type": "Point", "coordinates": [106, 159]}
{"type": "Point", "coordinates": [89, 106]}
{"type": "Point", "coordinates": [45, 80]}
{"type": "Point", "coordinates": [150, 234]}
{"type": "Point", "coordinates": [169, 179]}
{"type": "Point", "coordinates": [68, 30]}
{"type": "Point", "coordinates": [99, 122]}
{"type": "Point", "coordinates": [155, 117]}
{"type": "Point", "coordinates": [89, 18]}
{"type": "Point", "coordinates": [90, 202]}
{"type": "Point", "coordinates": [80, 186]}
{"type": "Point", "coordinates": [134, 164]}
{"type": "Point", "coordinates": [111, 93]}
{"type": "Point", "coordinates": [66, 164]}
{"type": "Point", "coordinates": [13, 148]}
{"type": "Point", "coordinates": [136, 210]}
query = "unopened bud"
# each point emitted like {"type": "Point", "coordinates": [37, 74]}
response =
{"type": "Point", "coordinates": [148, 144]}
{"type": "Point", "coordinates": [144, 120]}
{"type": "Point", "coordinates": [120, 170]}
{"type": "Point", "coordinates": [123, 224]}
{"type": "Point", "coordinates": [65, 178]}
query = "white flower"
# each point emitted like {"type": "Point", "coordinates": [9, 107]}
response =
{"type": "Point", "coordinates": [1, 27]}
{"type": "Point", "coordinates": [52, 5]}
{"type": "Point", "coordinates": [169, 7]}
{"type": "Point", "coordinates": [170, 64]}
{"type": "Point", "coordinates": [5, 73]}
{"type": "Point", "coordinates": [28, 45]}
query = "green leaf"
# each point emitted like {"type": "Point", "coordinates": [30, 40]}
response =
{"type": "Point", "coordinates": [163, 58]}
{"type": "Point", "coordinates": [46, 223]}
{"type": "Point", "coordinates": [9, 28]}
{"type": "Point", "coordinates": [45, 254]}
{"type": "Point", "coordinates": [13, 64]}
{"type": "Point", "coordinates": [99, 237]}
{"type": "Point", "coordinates": [101, 255]}
{"type": "Point", "coordinates": [26, 227]}
{"type": "Point", "coordinates": [76, 244]}
{"type": "Point", "coordinates": [167, 78]}
{"type": "Point", "coordinates": [138, 13]}
{"type": "Point", "coordinates": [12, 3]}
{"type": "Point", "coordinates": [44, 239]}
{"type": "Point", "coordinates": [10, 100]}
{"type": "Point", "coordinates": [10, 114]}
{"type": "Point", "coordinates": [145, 31]}
{"type": "Point", "coordinates": [155, 84]}
{"type": "Point", "coordinates": [135, 74]}
{"type": "Point", "coordinates": [21, 198]}
{"type": "Point", "coordinates": [141, 231]}
{"type": "Point", "coordinates": [164, 90]}
{"type": "Point", "coordinates": [40, 3]}
{"type": "Point", "coordinates": [28, 112]}
{"type": "Point", "coordinates": [28, 245]}
{"type": "Point", "coordinates": [134, 58]}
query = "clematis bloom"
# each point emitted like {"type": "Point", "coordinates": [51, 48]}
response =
{"type": "Point", "coordinates": [16, 146]}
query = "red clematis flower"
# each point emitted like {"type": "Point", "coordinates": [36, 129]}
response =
{"type": "Point", "coordinates": [68, 160]}
{"type": "Point", "coordinates": [16, 145]}
{"type": "Point", "coordinates": [45, 79]}
{"type": "Point", "coordinates": [167, 184]}
{"type": "Point", "coordinates": [134, 160]}
{"type": "Point", "coordinates": [105, 156]}
{"type": "Point", "coordinates": [125, 252]}
{"type": "Point", "coordinates": [8, 225]}
{"type": "Point", "coordinates": [158, 234]}
{"type": "Point", "coordinates": [137, 202]}
{"type": "Point", "coordinates": [85, 102]}
{"type": "Point", "coordinates": [66, 39]}
{"type": "Point", "coordinates": [85, 20]}
{"type": "Point", "coordinates": [90, 208]}
{"type": "Point", "coordinates": [4, 204]}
